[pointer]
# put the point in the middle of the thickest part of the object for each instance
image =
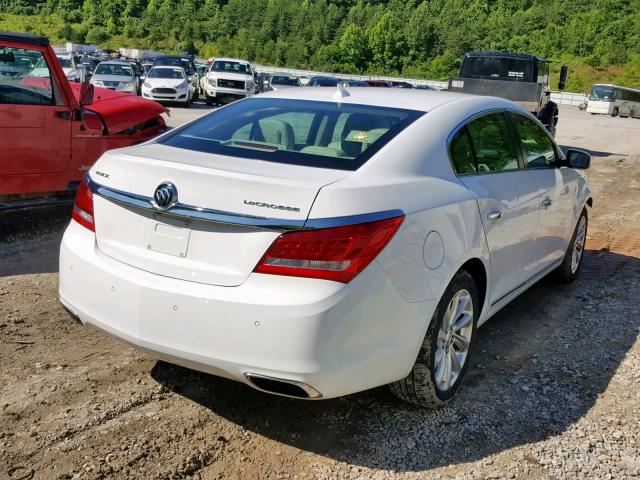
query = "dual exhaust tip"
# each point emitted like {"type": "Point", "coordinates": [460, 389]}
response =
{"type": "Point", "coordinates": [279, 386]}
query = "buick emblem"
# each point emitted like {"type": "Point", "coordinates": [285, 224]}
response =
{"type": "Point", "coordinates": [165, 196]}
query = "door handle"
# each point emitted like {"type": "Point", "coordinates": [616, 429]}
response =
{"type": "Point", "coordinates": [495, 215]}
{"type": "Point", "coordinates": [546, 202]}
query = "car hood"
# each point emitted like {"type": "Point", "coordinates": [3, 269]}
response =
{"type": "Point", "coordinates": [112, 78]}
{"type": "Point", "coordinates": [165, 82]}
{"type": "Point", "coordinates": [118, 110]}
{"type": "Point", "coordinates": [231, 75]}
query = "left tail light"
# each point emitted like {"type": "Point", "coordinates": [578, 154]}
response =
{"type": "Point", "coordinates": [83, 206]}
{"type": "Point", "coordinates": [336, 253]}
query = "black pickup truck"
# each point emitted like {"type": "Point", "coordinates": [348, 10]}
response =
{"type": "Point", "coordinates": [518, 77]}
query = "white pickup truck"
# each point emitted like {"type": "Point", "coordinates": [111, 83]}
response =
{"type": "Point", "coordinates": [228, 79]}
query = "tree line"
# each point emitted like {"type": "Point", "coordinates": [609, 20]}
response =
{"type": "Point", "coordinates": [397, 37]}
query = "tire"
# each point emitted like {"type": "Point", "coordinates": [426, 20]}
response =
{"type": "Point", "coordinates": [615, 112]}
{"type": "Point", "coordinates": [569, 269]}
{"type": "Point", "coordinates": [208, 100]}
{"type": "Point", "coordinates": [422, 386]}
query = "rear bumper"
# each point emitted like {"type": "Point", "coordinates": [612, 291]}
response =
{"type": "Point", "coordinates": [337, 339]}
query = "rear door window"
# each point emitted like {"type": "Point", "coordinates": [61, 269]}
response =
{"type": "Point", "coordinates": [492, 144]}
{"type": "Point", "coordinates": [298, 132]}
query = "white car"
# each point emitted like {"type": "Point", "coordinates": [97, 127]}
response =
{"type": "Point", "coordinates": [228, 79]}
{"type": "Point", "coordinates": [71, 67]}
{"type": "Point", "coordinates": [314, 243]}
{"type": "Point", "coordinates": [116, 75]}
{"type": "Point", "coordinates": [168, 84]}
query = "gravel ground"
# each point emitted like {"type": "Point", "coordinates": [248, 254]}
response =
{"type": "Point", "coordinates": [552, 391]}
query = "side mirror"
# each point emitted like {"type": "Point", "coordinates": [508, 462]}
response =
{"type": "Point", "coordinates": [86, 94]}
{"type": "Point", "coordinates": [578, 159]}
{"type": "Point", "coordinates": [564, 73]}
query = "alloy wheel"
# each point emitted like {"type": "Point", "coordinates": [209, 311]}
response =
{"type": "Point", "coordinates": [578, 244]}
{"type": "Point", "coordinates": [454, 340]}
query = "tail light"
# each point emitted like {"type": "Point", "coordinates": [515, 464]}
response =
{"type": "Point", "coordinates": [83, 206]}
{"type": "Point", "coordinates": [336, 253]}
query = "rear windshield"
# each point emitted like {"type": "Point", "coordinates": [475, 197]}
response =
{"type": "Point", "coordinates": [297, 132]}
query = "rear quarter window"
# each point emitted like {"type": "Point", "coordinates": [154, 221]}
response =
{"type": "Point", "coordinates": [297, 132]}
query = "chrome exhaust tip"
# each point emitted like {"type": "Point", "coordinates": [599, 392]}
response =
{"type": "Point", "coordinates": [279, 386]}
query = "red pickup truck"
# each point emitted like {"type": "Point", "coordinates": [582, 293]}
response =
{"type": "Point", "coordinates": [51, 130]}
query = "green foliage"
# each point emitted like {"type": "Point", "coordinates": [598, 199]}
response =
{"type": "Point", "coordinates": [600, 39]}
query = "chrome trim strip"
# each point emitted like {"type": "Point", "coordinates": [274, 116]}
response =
{"type": "Point", "coordinates": [183, 211]}
{"type": "Point", "coordinates": [311, 392]}
{"type": "Point", "coordinates": [351, 219]}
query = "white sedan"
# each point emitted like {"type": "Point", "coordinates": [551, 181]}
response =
{"type": "Point", "coordinates": [314, 243]}
{"type": "Point", "coordinates": [168, 84]}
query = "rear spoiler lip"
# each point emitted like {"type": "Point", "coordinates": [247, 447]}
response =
{"type": "Point", "coordinates": [191, 212]}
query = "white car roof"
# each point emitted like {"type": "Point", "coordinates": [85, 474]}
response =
{"type": "Point", "coordinates": [422, 100]}
{"type": "Point", "coordinates": [225, 59]}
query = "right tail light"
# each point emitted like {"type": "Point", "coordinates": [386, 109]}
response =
{"type": "Point", "coordinates": [83, 206]}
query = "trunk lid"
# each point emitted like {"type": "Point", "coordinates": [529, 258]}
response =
{"type": "Point", "coordinates": [119, 110]}
{"type": "Point", "coordinates": [194, 249]}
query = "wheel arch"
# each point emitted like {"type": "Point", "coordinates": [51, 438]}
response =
{"type": "Point", "coordinates": [476, 268]}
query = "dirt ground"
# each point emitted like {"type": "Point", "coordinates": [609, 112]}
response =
{"type": "Point", "coordinates": [552, 392]}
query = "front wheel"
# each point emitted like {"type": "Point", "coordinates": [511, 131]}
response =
{"type": "Point", "coordinates": [572, 261]}
{"type": "Point", "coordinates": [444, 355]}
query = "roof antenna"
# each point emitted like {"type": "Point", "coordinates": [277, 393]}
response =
{"type": "Point", "coordinates": [342, 92]}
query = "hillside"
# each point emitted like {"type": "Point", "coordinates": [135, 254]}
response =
{"type": "Point", "coordinates": [599, 39]}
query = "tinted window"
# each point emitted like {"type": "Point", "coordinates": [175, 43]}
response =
{"type": "Point", "coordinates": [492, 144]}
{"type": "Point", "coordinates": [175, 73]}
{"type": "Point", "coordinates": [462, 153]}
{"type": "Point", "coordinates": [114, 69]}
{"type": "Point", "coordinates": [24, 77]}
{"type": "Point", "coordinates": [537, 146]}
{"type": "Point", "coordinates": [231, 67]}
{"type": "Point", "coordinates": [318, 134]}
{"type": "Point", "coordinates": [282, 80]}
{"type": "Point", "coordinates": [324, 82]}
{"type": "Point", "coordinates": [601, 92]}
{"type": "Point", "coordinates": [498, 68]}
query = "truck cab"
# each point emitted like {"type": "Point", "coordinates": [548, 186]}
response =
{"type": "Point", "coordinates": [518, 77]}
{"type": "Point", "coordinates": [51, 130]}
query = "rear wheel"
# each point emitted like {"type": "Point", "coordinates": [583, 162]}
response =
{"type": "Point", "coordinates": [444, 355]}
{"type": "Point", "coordinates": [570, 267]}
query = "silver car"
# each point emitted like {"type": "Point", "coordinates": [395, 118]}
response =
{"type": "Point", "coordinates": [116, 75]}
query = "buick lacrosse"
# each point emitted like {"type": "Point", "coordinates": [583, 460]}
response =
{"type": "Point", "coordinates": [317, 242]}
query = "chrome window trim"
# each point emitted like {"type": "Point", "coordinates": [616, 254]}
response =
{"type": "Point", "coordinates": [190, 212]}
